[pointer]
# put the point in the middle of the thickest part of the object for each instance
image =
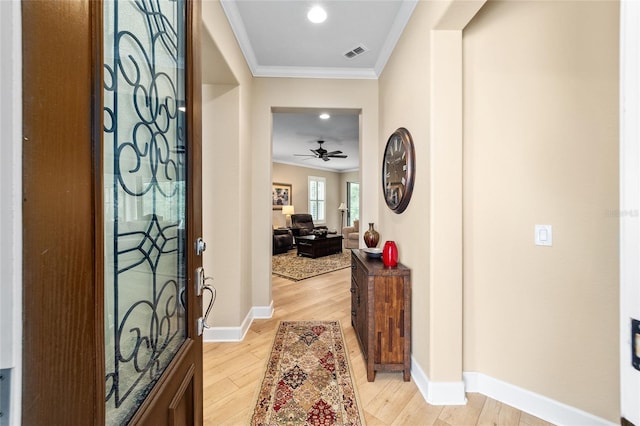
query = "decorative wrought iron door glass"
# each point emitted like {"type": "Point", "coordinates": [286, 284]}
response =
{"type": "Point", "coordinates": [144, 197]}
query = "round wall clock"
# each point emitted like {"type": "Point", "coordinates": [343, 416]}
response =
{"type": "Point", "coordinates": [398, 170]}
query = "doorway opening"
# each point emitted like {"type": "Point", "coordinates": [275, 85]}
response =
{"type": "Point", "coordinates": [353, 202]}
{"type": "Point", "coordinates": [314, 143]}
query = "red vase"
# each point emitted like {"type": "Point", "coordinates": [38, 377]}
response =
{"type": "Point", "coordinates": [390, 254]}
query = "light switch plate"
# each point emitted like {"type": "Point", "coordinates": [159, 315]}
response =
{"type": "Point", "coordinates": [543, 235]}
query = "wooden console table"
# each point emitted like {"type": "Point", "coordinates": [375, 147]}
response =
{"type": "Point", "coordinates": [313, 246]}
{"type": "Point", "coordinates": [381, 314]}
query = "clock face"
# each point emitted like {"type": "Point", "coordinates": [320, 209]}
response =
{"type": "Point", "coordinates": [398, 170]}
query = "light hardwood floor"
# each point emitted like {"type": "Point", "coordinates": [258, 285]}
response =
{"type": "Point", "coordinates": [233, 371]}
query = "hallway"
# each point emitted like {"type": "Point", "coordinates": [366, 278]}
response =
{"type": "Point", "coordinates": [233, 371]}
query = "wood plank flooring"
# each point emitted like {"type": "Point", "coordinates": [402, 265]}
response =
{"type": "Point", "coordinates": [233, 371]}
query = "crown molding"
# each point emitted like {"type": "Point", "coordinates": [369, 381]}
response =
{"type": "Point", "coordinates": [315, 72]}
{"type": "Point", "coordinates": [402, 19]}
{"type": "Point", "coordinates": [326, 169]}
{"type": "Point", "coordinates": [235, 21]}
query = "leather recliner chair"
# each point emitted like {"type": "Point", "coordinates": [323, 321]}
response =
{"type": "Point", "coordinates": [282, 241]}
{"type": "Point", "coordinates": [302, 224]}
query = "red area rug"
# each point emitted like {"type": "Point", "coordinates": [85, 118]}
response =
{"type": "Point", "coordinates": [307, 380]}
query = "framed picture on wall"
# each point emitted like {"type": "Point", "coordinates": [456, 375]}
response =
{"type": "Point", "coordinates": [281, 195]}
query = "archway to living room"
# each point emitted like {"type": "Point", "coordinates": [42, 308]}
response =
{"type": "Point", "coordinates": [294, 95]}
{"type": "Point", "coordinates": [315, 170]}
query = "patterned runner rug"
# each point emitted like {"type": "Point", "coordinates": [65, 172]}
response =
{"type": "Point", "coordinates": [295, 268]}
{"type": "Point", "coordinates": [308, 380]}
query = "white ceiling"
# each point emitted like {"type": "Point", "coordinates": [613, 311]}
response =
{"type": "Point", "coordinates": [278, 40]}
{"type": "Point", "coordinates": [299, 132]}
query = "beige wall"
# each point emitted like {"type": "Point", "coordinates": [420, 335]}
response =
{"type": "Point", "coordinates": [226, 210]}
{"type": "Point", "coordinates": [221, 261]}
{"type": "Point", "coordinates": [541, 147]}
{"type": "Point", "coordinates": [405, 102]}
{"type": "Point", "coordinates": [540, 97]}
{"type": "Point", "coordinates": [298, 177]}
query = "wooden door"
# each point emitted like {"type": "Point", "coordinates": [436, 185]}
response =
{"type": "Point", "coordinates": [67, 226]}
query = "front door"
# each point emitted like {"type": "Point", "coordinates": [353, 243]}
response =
{"type": "Point", "coordinates": [112, 200]}
{"type": "Point", "coordinates": [145, 153]}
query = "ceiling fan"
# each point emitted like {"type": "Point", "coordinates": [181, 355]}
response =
{"type": "Point", "coordinates": [323, 153]}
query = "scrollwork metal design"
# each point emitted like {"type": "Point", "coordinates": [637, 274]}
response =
{"type": "Point", "coordinates": [145, 160]}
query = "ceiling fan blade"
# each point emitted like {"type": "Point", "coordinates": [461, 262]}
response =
{"type": "Point", "coordinates": [322, 153]}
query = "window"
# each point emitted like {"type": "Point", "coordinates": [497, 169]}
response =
{"type": "Point", "coordinates": [353, 202]}
{"type": "Point", "coordinates": [317, 196]}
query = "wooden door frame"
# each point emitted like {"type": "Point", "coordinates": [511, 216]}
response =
{"type": "Point", "coordinates": [60, 369]}
{"type": "Point", "coordinates": [11, 210]}
{"type": "Point", "coordinates": [63, 295]}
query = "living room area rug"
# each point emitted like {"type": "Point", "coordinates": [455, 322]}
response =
{"type": "Point", "coordinates": [291, 266]}
{"type": "Point", "coordinates": [307, 379]}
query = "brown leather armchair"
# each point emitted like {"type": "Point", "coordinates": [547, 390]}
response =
{"type": "Point", "coordinates": [302, 224]}
{"type": "Point", "coordinates": [282, 241]}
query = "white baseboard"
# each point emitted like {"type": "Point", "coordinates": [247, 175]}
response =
{"type": "Point", "coordinates": [263, 312]}
{"type": "Point", "coordinates": [236, 334]}
{"type": "Point", "coordinates": [437, 393]}
{"type": "Point", "coordinates": [453, 393]}
{"type": "Point", "coordinates": [530, 402]}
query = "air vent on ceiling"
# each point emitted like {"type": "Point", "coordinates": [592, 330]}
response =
{"type": "Point", "coordinates": [358, 50]}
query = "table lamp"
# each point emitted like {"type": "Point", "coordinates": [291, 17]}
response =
{"type": "Point", "coordinates": [288, 211]}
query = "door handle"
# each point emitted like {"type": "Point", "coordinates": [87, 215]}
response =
{"type": "Point", "coordinates": [201, 286]}
{"type": "Point", "coordinates": [211, 289]}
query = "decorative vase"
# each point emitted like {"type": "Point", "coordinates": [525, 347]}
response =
{"type": "Point", "coordinates": [390, 254]}
{"type": "Point", "coordinates": [371, 236]}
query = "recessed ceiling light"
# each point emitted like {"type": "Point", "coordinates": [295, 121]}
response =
{"type": "Point", "coordinates": [325, 116]}
{"type": "Point", "coordinates": [317, 15]}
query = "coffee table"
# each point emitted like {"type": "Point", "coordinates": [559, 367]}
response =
{"type": "Point", "coordinates": [314, 246]}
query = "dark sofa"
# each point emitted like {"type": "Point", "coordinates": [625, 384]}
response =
{"type": "Point", "coordinates": [282, 241]}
